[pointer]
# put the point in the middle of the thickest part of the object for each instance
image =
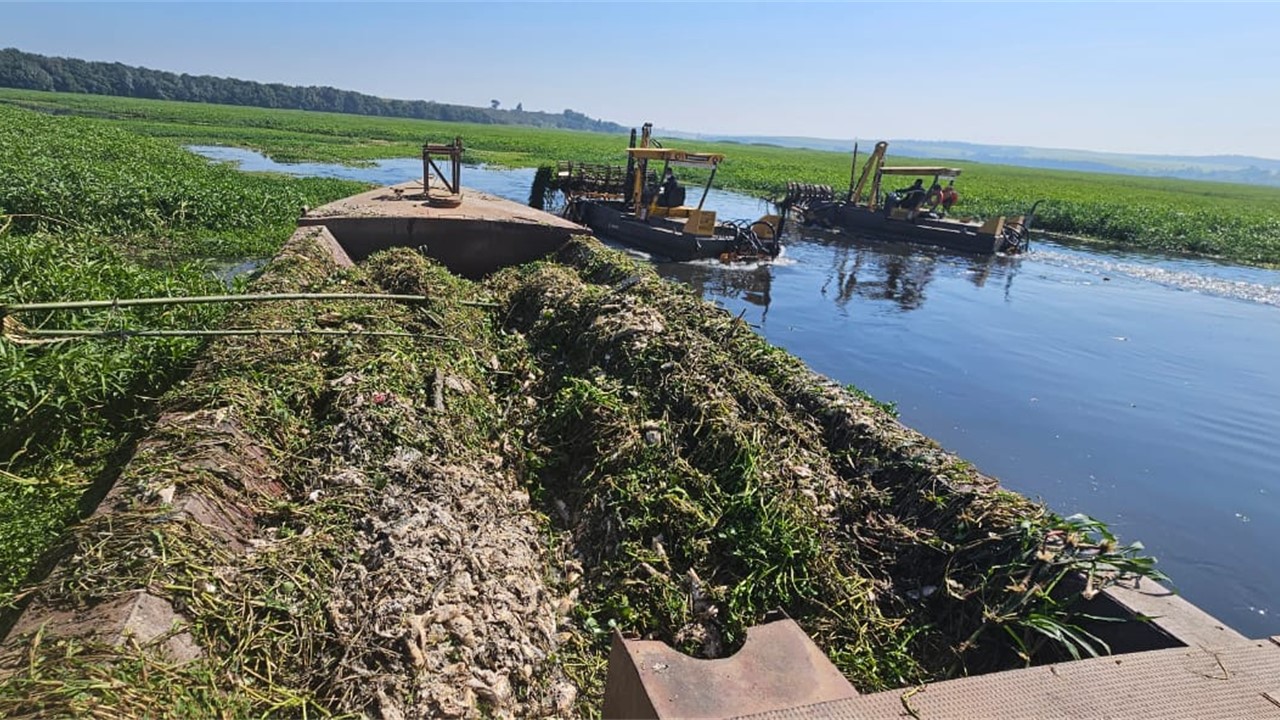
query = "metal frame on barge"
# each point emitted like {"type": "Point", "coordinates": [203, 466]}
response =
{"type": "Point", "coordinates": [472, 233]}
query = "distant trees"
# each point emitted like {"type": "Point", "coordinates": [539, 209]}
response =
{"type": "Point", "coordinates": [30, 71]}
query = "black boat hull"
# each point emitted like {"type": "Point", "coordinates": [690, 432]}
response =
{"type": "Point", "coordinates": [950, 234]}
{"type": "Point", "coordinates": [657, 236]}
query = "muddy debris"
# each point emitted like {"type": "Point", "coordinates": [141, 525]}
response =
{"type": "Point", "coordinates": [446, 604]}
{"type": "Point", "coordinates": [445, 614]}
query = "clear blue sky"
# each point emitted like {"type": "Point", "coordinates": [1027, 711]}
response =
{"type": "Point", "coordinates": [1172, 78]}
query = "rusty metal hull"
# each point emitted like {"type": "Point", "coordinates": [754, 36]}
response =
{"type": "Point", "coordinates": [778, 667]}
{"type": "Point", "coordinates": [1178, 662]}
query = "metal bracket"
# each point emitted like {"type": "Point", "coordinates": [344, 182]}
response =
{"type": "Point", "coordinates": [451, 151]}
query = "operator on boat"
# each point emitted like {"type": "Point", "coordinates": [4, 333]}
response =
{"type": "Point", "coordinates": [912, 197]}
{"type": "Point", "coordinates": [933, 198]}
{"type": "Point", "coordinates": [949, 196]}
{"type": "Point", "coordinates": [648, 194]}
{"type": "Point", "coordinates": [672, 194]}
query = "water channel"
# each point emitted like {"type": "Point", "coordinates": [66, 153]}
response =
{"type": "Point", "coordinates": [1138, 389]}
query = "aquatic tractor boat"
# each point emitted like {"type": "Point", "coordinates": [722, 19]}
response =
{"type": "Point", "coordinates": [910, 215]}
{"type": "Point", "coordinates": [628, 204]}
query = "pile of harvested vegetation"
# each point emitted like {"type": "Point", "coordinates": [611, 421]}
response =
{"type": "Point", "coordinates": [704, 477]}
{"type": "Point", "coordinates": [328, 522]}
{"type": "Point", "coordinates": [451, 521]}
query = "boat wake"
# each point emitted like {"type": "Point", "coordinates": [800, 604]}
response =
{"type": "Point", "coordinates": [1262, 293]}
{"type": "Point", "coordinates": [743, 265]}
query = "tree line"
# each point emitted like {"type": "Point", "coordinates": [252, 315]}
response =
{"type": "Point", "coordinates": [30, 71]}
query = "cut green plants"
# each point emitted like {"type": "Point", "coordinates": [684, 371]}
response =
{"type": "Point", "coordinates": [454, 526]}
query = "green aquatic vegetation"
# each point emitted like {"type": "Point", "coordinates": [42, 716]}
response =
{"type": "Point", "coordinates": [1236, 222]}
{"type": "Point", "coordinates": [75, 174]}
{"type": "Point", "coordinates": [1035, 611]}
{"type": "Point", "coordinates": [374, 444]}
{"type": "Point", "coordinates": [91, 211]}
{"type": "Point", "coordinates": [687, 478]}
{"type": "Point", "coordinates": [704, 478]}
{"type": "Point", "coordinates": [68, 409]}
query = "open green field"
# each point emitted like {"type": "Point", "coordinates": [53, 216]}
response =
{"type": "Point", "coordinates": [1235, 222]}
{"type": "Point", "coordinates": [89, 210]}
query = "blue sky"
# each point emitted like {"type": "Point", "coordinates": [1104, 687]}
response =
{"type": "Point", "coordinates": [1173, 78]}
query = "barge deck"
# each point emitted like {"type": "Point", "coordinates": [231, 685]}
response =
{"type": "Point", "coordinates": [478, 235]}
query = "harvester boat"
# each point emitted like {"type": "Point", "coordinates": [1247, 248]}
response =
{"type": "Point", "coordinates": [627, 204]}
{"type": "Point", "coordinates": [907, 216]}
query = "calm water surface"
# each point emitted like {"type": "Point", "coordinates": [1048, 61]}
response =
{"type": "Point", "coordinates": [1138, 389]}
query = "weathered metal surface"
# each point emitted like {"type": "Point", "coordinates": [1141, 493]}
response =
{"type": "Point", "coordinates": [1231, 682]}
{"type": "Point", "coordinates": [778, 667]}
{"type": "Point", "coordinates": [1172, 615]}
{"type": "Point", "coordinates": [1182, 662]}
{"type": "Point", "coordinates": [480, 235]}
{"type": "Point", "coordinates": [136, 615]}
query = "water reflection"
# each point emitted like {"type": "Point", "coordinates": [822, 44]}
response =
{"type": "Point", "coordinates": [899, 273]}
{"type": "Point", "coordinates": [711, 278]}
{"type": "Point", "coordinates": [900, 279]}
{"type": "Point", "coordinates": [855, 269]}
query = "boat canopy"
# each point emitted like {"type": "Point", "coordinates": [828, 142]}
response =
{"type": "Point", "coordinates": [919, 170]}
{"type": "Point", "coordinates": [677, 157]}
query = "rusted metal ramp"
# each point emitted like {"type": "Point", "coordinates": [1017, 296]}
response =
{"type": "Point", "coordinates": [1239, 681]}
{"type": "Point", "coordinates": [779, 674]}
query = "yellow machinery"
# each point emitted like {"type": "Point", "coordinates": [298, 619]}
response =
{"type": "Point", "coordinates": [912, 217]}
{"type": "Point", "coordinates": [699, 222]}
{"type": "Point", "coordinates": [876, 160]}
{"type": "Point", "coordinates": [638, 197]}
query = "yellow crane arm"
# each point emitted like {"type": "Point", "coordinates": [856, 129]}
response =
{"type": "Point", "coordinates": [875, 161]}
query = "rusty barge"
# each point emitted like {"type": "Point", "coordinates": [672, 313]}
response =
{"type": "Point", "coordinates": [471, 233]}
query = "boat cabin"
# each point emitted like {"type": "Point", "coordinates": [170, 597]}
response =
{"type": "Point", "coordinates": [662, 195]}
{"type": "Point", "coordinates": [900, 205]}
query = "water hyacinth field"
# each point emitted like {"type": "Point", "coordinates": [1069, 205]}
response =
{"type": "Point", "coordinates": [89, 210]}
{"type": "Point", "coordinates": [62, 173]}
{"type": "Point", "coordinates": [1235, 222]}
